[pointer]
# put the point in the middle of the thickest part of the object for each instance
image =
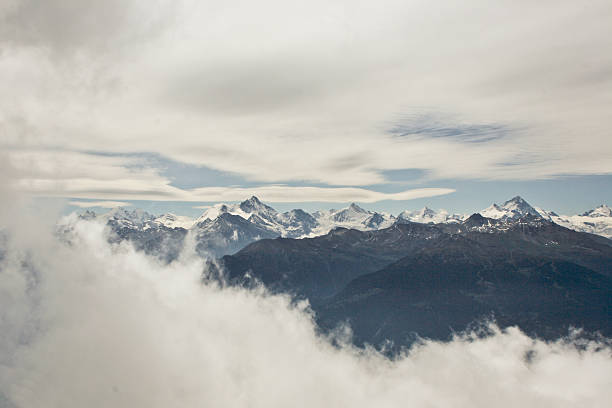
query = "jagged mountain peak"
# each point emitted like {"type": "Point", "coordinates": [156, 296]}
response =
{"type": "Point", "coordinates": [476, 217]}
{"type": "Point", "coordinates": [252, 204]}
{"type": "Point", "coordinates": [514, 208]}
{"type": "Point", "coordinates": [352, 213]}
{"type": "Point", "coordinates": [136, 215]}
{"type": "Point", "coordinates": [428, 215]}
{"type": "Point", "coordinates": [213, 212]}
{"type": "Point", "coordinates": [519, 203]}
{"type": "Point", "coordinates": [516, 199]}
{"type": "Point", "coordinates": [601, 211]}
{"type": "Point", "coordinates": [174, 221]}
{"type": "Point", "coordinates": [245, 209]}
{"type": "Point", "coordinates": [229, 227]}
{"type": "Point", "coordinates": [426, 211]}
{"type": "Point", "coordinates": [476, 220]}
{"type": "Point", "coordinates": [356, 208]}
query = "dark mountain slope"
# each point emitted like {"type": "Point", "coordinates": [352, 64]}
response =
{"type": "Point", "coordinates": [319, 267]}
{"type": "Point", "coordinates": [538, 237]}
{"type": "Point", "coordinates": [431, 279]}
{"type": "Point", "coordinates": [448, 285]}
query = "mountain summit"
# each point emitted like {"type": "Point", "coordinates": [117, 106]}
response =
{"type": "Point", "coordinates": [351, 213]}
{"type": "Point", "coordinates": [253, 204]}
{"type": "Point", "coordinates": [601, 211]}
{"type": "Point", "coordinates": [514, 208]}
{"type": "Point", "coordinates": [225, 228]}
{"type": "Point", "coordinates": [426, 215]}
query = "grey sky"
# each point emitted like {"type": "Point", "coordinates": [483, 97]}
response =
{"type": "Point", "coordinates": [324, 99]}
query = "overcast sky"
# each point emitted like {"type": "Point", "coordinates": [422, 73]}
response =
{"type": "Point", "coordinates": [393, 104]}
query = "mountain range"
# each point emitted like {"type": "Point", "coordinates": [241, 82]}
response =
{"type": "Point", "coordinates": [415, 280]}
{"type": "Point", "coordinates": [226, 228]}
{"type": "Point", "coordinates": [397, 278]}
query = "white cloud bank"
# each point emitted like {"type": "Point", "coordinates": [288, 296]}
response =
{"type": "Point", "coordinates": [287, 91]}
{"type": "Point", "coordinates": [88, 325]}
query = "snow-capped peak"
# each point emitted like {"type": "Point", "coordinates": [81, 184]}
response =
{"type": "Point", "coordinates": [254, 206]}
{"type": "Point", "coordinates": [601, 211]}
{"type": "Point", "coordinates": [214, 211]}
{"type": "Point", "coordinates": [427, 215]}
{"type": "Point", "coordinates": [514, 208]}
{"type": "Point", "coordinates": [251, 204]}
{"type": "Point", "coordinates": [174, 221]}
{"type": "Point", "coordinates": [123, 215]}
{"type": "Point", "coordinates": [252, 218]}
{"type": "Point", "coordinates": [245, 209]}
{"type": "Point", "coordinates": [519, 205]}
{"type": "Point", "coordinates": [596, 221]}
{"type": "Point", "coordinates": [353, 217]}
{"type": "Point", "coordinates": [351, 214]}
{"type": "Point", "coordinates": [354, 207]}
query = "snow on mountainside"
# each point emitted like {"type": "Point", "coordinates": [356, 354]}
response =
{"type": "Point", "coordinates": [427, 216]}
{"type": "Point", "coordinates": [226, 228]}
{"type": "Point", "coordinates": [597, 221]}
{"type": "Point", "coordinates": [256, 212]}
{"type": "Point", "coordinates": [174, 221]}
{"type": "Point", "coordinates": [123, 217]}
{"type": "Point", "coordinates": [601, 211]}
{"type": "Point", "coordinates": [218, 209]}
{"type": "Point", "coordinates": [511, 209]}
{"type": "Point", "coordinates": [352, 217]}
{"type": "Point", "coordinates": [137, 218]}
{"type": "Point", "coordinates": [298, 223]}
{"type": "Point", "coordinates": [227, 234]}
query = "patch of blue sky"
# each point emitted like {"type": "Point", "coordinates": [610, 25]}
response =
{"type": "Point", "coordinates": [564, 195]}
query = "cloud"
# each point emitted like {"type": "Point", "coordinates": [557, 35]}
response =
{"type": "Point", "coordinates": [137, 190]}
{"type": "Point", "coordinates": [281, 91]}
{"type": "Point", "coordinates": [94, 325]}
{"type": "Point", "coordinates": [121, 177]}
{"type": "Point", "coordinates": [52, 25]}
{"type": "Point", "coordinates": [287, 194]}
{"type": "Point", "coordinates": [102, 204]}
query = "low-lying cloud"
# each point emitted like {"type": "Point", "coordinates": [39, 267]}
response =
{"type": "Point", "coordinates": [89, 324]}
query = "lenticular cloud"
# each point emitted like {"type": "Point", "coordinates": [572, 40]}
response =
{"type": "Point", "coordinates": [90, 324]}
